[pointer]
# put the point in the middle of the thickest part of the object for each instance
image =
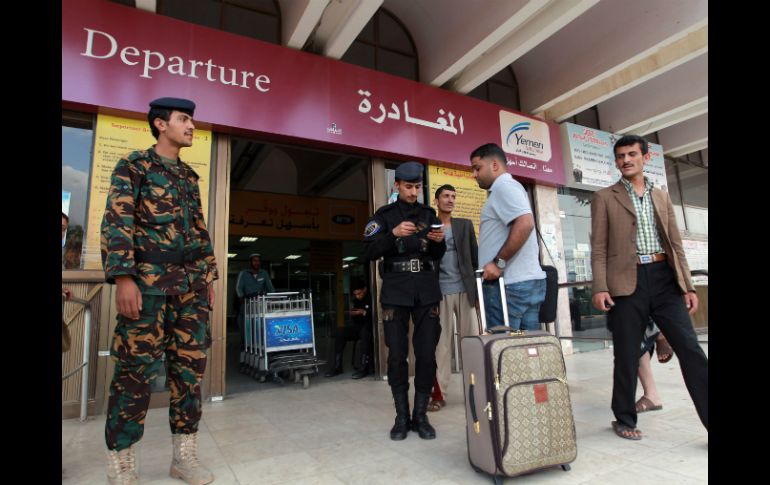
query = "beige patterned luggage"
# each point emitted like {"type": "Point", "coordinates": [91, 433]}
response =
{"type": "Point", "coordinates": [518, 410]}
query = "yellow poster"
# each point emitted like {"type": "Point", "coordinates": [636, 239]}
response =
{"type": "Point", "coordinates": [115, 137]}
{"type": "Point", "coordinates": [470, 198]}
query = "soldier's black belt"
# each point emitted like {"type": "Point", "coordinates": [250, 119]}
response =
{"type": "Point", "coordinates": [410, 266]}
{"type": "Point", "coordinates": [168, 257]}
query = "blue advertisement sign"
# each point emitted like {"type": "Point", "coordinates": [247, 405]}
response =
{"type": "Point", "coordinates": [289, 331]}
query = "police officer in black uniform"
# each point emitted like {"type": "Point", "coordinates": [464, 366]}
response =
{"type": "Point", "coordinates": [401, 232]}
{"type": "Point", "coordinates": [361, 329]}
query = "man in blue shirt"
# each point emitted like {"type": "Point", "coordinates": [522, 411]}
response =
{"type": "Point", "coordinates": [251, 282]}
{"type": "Point", "coordinates": [507, 243]}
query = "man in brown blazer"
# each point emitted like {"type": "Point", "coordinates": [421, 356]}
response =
{"type": "Point", "coordinates": [640, 271]}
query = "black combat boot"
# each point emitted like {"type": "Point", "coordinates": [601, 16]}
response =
{"type": "Point", "coordinates": [337, 369]}
{"type": "Point", "coordinates": [401, 427]}
{"type": "Point", "coordinates": [365, 368]}
{"type": "Point", "coordinates": [420, 421]}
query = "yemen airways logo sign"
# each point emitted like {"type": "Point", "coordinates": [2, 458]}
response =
{"type": "Point", "coordinates": [525, 137]}
{"type": "Point", "coordinates": [523, 126]}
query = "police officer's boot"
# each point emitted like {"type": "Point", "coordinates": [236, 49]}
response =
{"type": "Point", "coordinates": [185, 464]}
{"type": "Point", "coordinates": [401, 427]}
{"type": "Point", "coordinates": [365, 368]}
{"type": "Point", "coordinates": [420, 421]}
{"type": "Point", "coordinates": [121, 467]}
{"type": "Point", "coordinates": [337, 369]}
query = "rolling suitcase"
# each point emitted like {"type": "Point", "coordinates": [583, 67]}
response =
{"type": "Point", "coordinates": [517, 405]}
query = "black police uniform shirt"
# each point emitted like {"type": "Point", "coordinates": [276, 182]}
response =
{"type": "Point", "coordinates": [404, 288]}
{"type": "Point", "coordinates": [362, 320]}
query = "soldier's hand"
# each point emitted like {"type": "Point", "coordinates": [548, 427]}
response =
{"type": "Point", "coordinates": [491, 271]}
{"type": "Point", "coordinates": [211, 296]}
{"type": "Point", "coordinates": [66, 293]}
{"type": "Point", "coordinates": [128, 297]}
{"type": "Point", "coordinates": [404, 229]}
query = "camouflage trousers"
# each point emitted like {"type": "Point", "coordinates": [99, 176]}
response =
{"type": "Point", "coordinates": [178, 326]}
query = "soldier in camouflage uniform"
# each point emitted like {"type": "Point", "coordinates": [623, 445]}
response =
{"type": "Point", "coordinates": [156, 249]}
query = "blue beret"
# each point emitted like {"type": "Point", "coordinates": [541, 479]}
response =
{"type": "Point", "coordinates": [409, 172]}
{"type": "Point", "coordinates": [174, 103]}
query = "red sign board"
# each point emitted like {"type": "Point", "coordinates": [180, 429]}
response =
{"type": "Point", "coordinates": [122, 57]}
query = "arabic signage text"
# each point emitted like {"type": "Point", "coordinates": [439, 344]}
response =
{"type": "Point", "coordinates": [280, 215]}
{"type": "Point", "coordinates": [112, 56]}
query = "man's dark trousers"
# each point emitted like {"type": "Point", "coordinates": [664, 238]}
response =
{"type": "Point", "coordinates": [656, 295]}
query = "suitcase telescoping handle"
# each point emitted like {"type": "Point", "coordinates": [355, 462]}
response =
{"type": "Point", "coordinates": [503, 300]}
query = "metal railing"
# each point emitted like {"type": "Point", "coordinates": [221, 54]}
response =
{"type": "Point", "coordinates": [570, 284]}
{"type": "Point", "coordinates": [86, 357]}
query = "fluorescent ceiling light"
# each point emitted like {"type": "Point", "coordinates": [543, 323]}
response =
{"type": "Point", "coordinates": [248, 239]}
{"type": "Point", "coordinates": [345, 266]}
{"type": "Point", "coordinates": [350, 258]}
{"type": "Point", "coordinates": [231, 255]}
{"type": "Point", "coordinates": [293, 256]}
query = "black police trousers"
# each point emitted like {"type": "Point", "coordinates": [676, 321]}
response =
{"type": "Point", "coordinates": [352, 333]}
{"type": "Point", "coordinates": [427, 331]}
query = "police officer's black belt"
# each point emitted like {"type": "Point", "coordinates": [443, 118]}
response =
{"type": "Point", "coordinates": [410, 266]}
{"type": "Point", "coordinates": [171, 257]}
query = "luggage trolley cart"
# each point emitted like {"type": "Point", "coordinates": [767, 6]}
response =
{"type": "Point", "coordinates": [280, 337]}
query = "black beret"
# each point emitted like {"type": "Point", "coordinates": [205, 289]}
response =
{"type": "Point", "coordinates": [174, 103]}
{"type": "Point", "coordinates": [409, 172]}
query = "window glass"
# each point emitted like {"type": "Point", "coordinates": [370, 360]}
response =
{"type": "Point", "coordinates": [575, 213]}
{"type": "Point", "coordinates": [250, 24]}
{"type": "Point", "coordinates": [392, 35]}
{"type": "Point", "coordinates": [77, 145]}
{"type": "Point", "coordinates": [695, 185]}
{"type": "Point", "coordinates": [673, 191]}
{"type": "Point", "coordinates": [200, 12]}
{"type": "Point", "coordinates": [397, 64]}
{"type": "Point", "coordinates": [259, 19]}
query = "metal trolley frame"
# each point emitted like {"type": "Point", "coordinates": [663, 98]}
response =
{"type": "Point", "coordinates": [279, 336]}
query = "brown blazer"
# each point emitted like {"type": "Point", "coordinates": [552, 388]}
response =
{"type": "Point", "coordinates": [613, 240]}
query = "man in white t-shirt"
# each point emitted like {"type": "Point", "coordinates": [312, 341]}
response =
{"type": "Point", "coordinates": [507, 243]}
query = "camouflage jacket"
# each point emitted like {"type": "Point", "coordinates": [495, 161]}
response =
{"type": "Point", "coordinates": [154, 206]}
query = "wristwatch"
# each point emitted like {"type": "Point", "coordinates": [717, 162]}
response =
{"type": "Point", "coordinates": [499, 262]}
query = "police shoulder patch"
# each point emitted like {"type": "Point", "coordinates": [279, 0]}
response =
{"type": "Point", "coordinates": [371, 229]}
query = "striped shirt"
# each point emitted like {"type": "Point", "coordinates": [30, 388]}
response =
{"type": "Point", "coordinates": [647, 239]}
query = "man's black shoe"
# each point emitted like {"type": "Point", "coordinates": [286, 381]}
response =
{"type": "Point", "coordinates": [360, 374]}
{"type": "Point", "coordinates": [334, 371]}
